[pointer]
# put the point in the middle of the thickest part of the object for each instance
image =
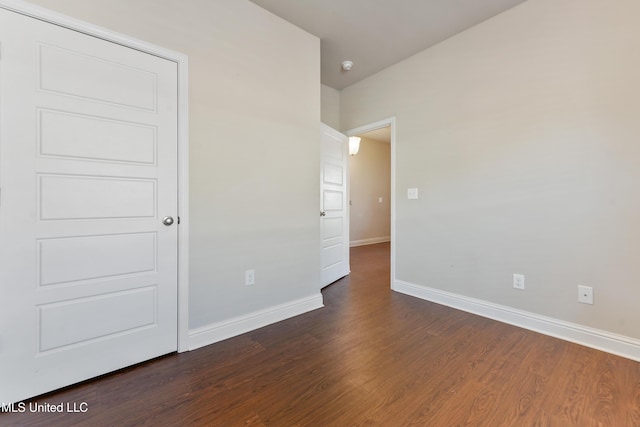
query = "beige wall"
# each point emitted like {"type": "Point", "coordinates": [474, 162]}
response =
{"type": "Point", "coordinates": [330, 106]}
{"type": "Point", "coordinates": [254, 99]}
{"type": "Point", "coordinates": [522, 137]}
{"type": "Point", "coordinates": [370, 179]}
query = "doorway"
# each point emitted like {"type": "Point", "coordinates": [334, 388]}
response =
{"type": "Point", "coordinates": [372, 192]}
{"type": "Point", "coordinates": [370, 189]}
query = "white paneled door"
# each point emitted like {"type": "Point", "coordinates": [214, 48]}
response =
{"type": "Point", "coordinates": [88, 173]}
{"type": "Point", "coordinates": [334, 214]}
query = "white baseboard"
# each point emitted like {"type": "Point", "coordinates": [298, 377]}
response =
{"type": "Point", "coordinates": [609, 342]}
{"type": "Point", "coordinates": [219, 331]}
{"type": "Point", "coordinates": [370, 241]}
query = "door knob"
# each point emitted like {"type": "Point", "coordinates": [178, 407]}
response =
{"type": "Point", "coordinates": [323, 213]}
{"type": "Point", "coordinates": [167, 220]}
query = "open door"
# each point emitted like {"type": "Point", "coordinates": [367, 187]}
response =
{"type": "Point", "coordinates": [334, 210]}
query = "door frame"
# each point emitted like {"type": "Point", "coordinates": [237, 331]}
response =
{"type": "Point", "coordinates": [181, 60]}
{"type": "Point", "coordinates": [391, 122]}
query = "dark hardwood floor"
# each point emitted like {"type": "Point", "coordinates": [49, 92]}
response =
{"type": "Point", "coordinates": [370, 357]}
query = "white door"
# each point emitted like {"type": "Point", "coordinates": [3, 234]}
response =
{"type": "Point", "coordinates": [334, 215]}
{"type": "Point", "coordinates": [88, 170]}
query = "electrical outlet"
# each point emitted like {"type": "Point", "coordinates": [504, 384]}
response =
{"type": "Point", "coordinates": [518, 281]}
{"type": "Point", "coordinates": [585, 294]}
{"type": "Point", "coordinates": [249, 277]}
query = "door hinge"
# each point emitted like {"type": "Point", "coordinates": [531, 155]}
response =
{"type": "Point", "coordinates": [178, 220]}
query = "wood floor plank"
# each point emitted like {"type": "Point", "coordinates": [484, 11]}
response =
{"type": "Point", "coordinates": [371, 357]}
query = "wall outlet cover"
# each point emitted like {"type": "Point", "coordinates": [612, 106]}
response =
{"type": "Point", "coordinates": [585, 294]}
{"type": "Point", "coordinates": [249, 277]}
{"type": "Point", "coordinates": [518, 281]}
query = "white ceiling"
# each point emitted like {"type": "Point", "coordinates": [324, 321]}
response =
{"type": "Point", "coordinates": [375, 34]}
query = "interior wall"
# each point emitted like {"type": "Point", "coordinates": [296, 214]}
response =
{"type": "Point", "coordinates": [330, 106]}
{"type": "Point", "coordinates": [521, 136]}
{"type": "Point", "coordinates": [254, 99]}
{"type": "Point", "coordinates": [370, 193]}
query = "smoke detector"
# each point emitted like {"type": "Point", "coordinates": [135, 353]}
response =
{"type": "Point", "coordinates": [347, 65]}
